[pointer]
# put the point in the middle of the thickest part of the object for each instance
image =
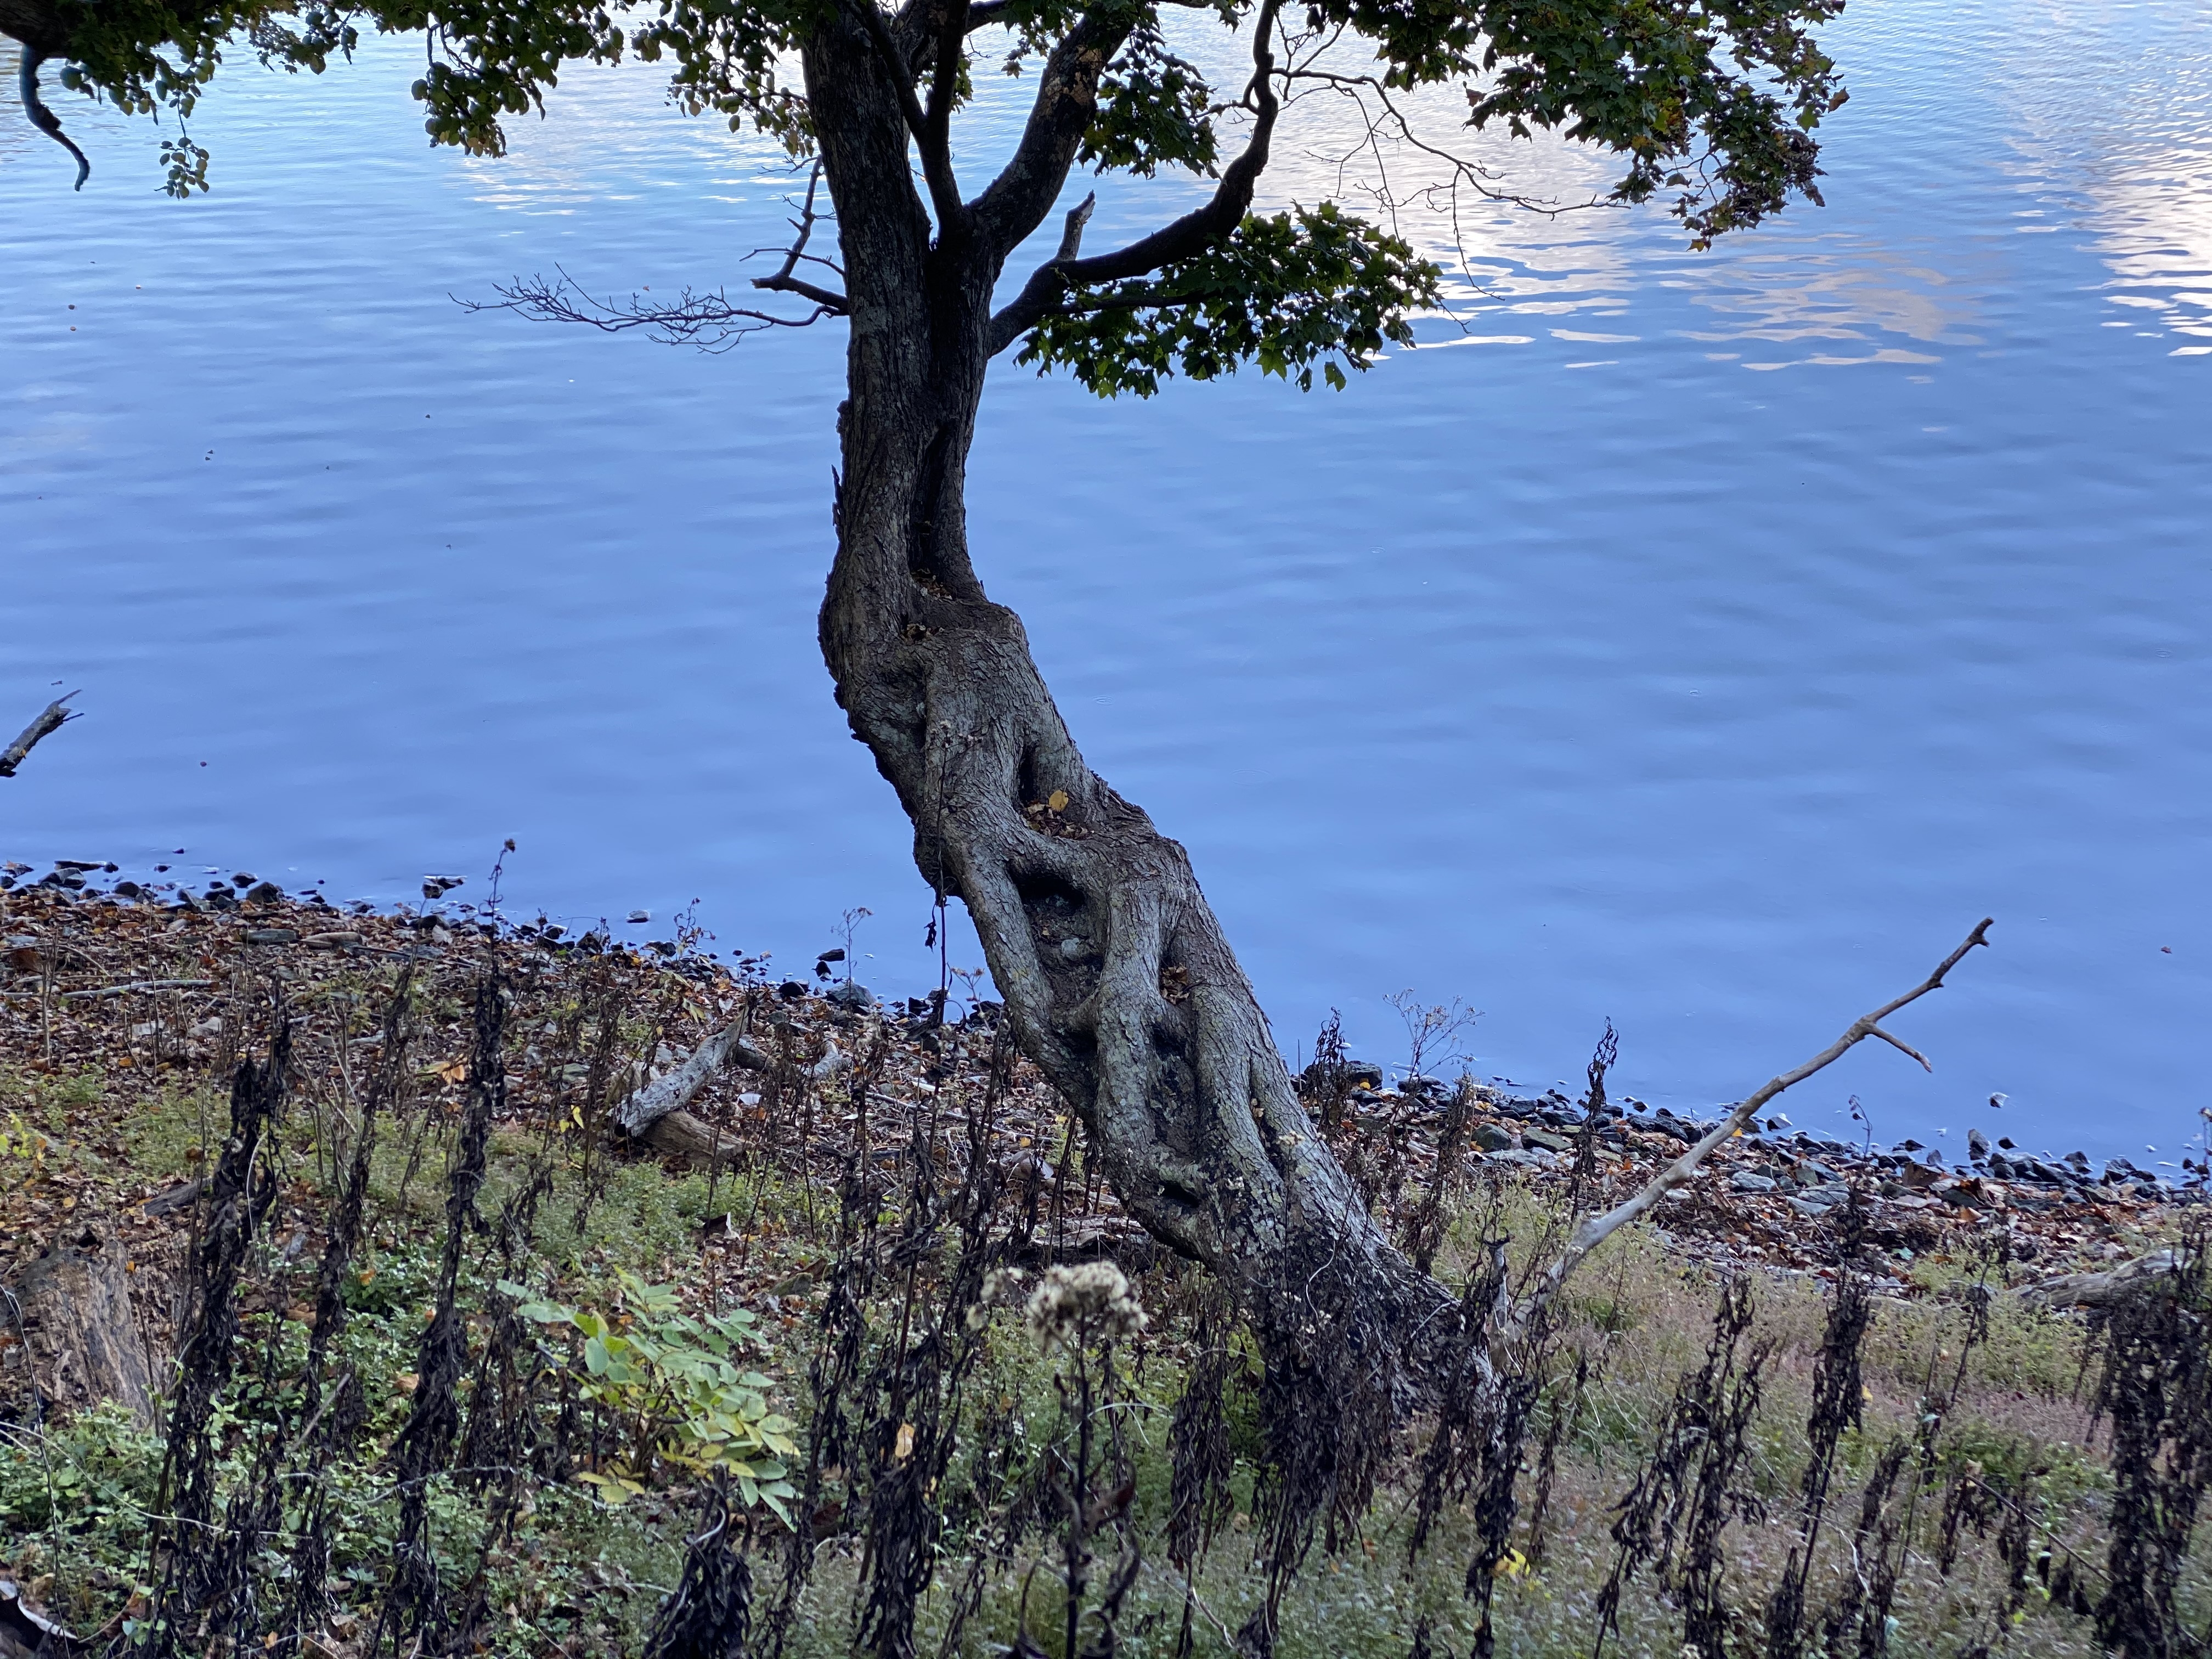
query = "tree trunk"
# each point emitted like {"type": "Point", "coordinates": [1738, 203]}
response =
{"type": "Point", "coordinates": [1117, 977]}
{"type": "Point", "coordinates": [80, 1343]}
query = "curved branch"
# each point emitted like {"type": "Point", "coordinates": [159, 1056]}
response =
{"type": "Point", "coordinates": [783, 281]}
{"type": "Point", "coordinates": [1192, 233]}
{"type": "Point", "coordinates": [1015, 203]}
{"type": "Point", "coordinates": [27, 85]}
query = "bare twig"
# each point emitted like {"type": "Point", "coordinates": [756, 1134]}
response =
{"type": "Point", "coordinates": [784, 282]}
{"type": "Point", "coordinates": [55, 715]}
{"type": "Point", "coordinates": [1595, 1231]}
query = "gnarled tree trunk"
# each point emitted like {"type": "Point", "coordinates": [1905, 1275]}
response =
{"type": "Point", "coordinates": [1115, 975]}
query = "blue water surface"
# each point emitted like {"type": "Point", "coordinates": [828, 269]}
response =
{"type": "Point", "coordinates": [1703, 642]}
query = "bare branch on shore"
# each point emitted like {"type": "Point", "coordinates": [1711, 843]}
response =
{"type": "Point", "coordinates": [656, 1112]}
{"type": "Point", "coordinates": [2102, 1290]}
{"type": "Point", "coordinates": [52, 719]}
{"type": "Point", "coordinates": [1595, 1230]}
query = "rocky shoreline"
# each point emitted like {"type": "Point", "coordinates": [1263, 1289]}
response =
{"type": "Point", "coordinates": [124, 976]}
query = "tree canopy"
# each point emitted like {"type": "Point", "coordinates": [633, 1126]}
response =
{"type": "Point", "coordinates": [1710, 105]}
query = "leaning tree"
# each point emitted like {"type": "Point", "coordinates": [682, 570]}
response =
{"type": "Point", "coordinates": [1116, 978]}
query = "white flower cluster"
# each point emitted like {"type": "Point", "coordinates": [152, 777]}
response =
{"type": "Point", "coordinates": [1092, 1301]}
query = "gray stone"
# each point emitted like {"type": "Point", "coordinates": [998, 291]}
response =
{"type": "Point", "coordinates": [1544, 1138]}
{"type": "Point", "coordinates": [1744, 1182]}
{"type": "Point", "coordinates": [1495, 1138]}
{"type": "Point", "coordinates": [849, 995]}
{"type": "Point", "coordinates": [1523, 1160]}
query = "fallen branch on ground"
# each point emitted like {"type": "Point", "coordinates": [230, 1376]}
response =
{"type": "Point", "coordinates": [100, 991]}
{"type": "Point", "coordinates": [1595, 1230]}
{"type": "Point", "coordinates": [2102, 1290]}
{"type": "Point", "coordinates": [55, 715]}
{"type": "Point", "coordinates": [655, 1113]}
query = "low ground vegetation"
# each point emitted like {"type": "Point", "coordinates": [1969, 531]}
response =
{"type": "Point", "coordinates": [440, 1363]}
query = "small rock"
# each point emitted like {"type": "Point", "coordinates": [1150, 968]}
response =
{"type": "Point", "coordinates": [1745, 1181]}
{"type": "Point", "coordinates": [849, 995]}
{"type": "Point", "coordinates": [1977, 1145]}
{"type": "Point", "coordinates": [270, 935]}
{"type": "Point", "coordinates": [1523, 1160]}
{"type": "Point", "coordinates": [264, 892]}
{"type": "Point", "coordinates": [1495, 1138]}
{"type": "Point", "coordinates": [641, 915]}
{"type": "Point", "coordinates": [1544, 1138]}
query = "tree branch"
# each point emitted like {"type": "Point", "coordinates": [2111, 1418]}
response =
{"type": "Point", "coordinates": [936, 157]}
{"type": "Point", "coordinates": [1016, 202]}
{"type": "Point", "coordinates": [708, 321]}
{"type": "Point", "coordinates": [2106, 1289]}
{"type": "Point", "coordinates": [676, 1088]}
{"type": "Point", "coordinates": [27, 85]}
{"type": "Point", "coordinates": [783, 282]}
{"type": "Point", "coordinates": [1595, 1231]}
{"type": "Point", "coordinates": [55, 715]}
{"type": "Point", "coordinates": [1192, 233]}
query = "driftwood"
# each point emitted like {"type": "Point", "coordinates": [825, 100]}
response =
{"type": "Point", "coordinates": [81, 1340]}
{"type": "Point", "coordinates": [655, 1113]}
{"type": "Point", "coordinates": [2103, 1290]}
{"type": "Point", "coordinates": [55, 715]}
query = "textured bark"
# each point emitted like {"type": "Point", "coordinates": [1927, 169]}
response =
{"type": "Point", "coordinates": [1117, 977]}
{"type": "Point", "coordinates": [40, 26]}
{"type": "Point", "coordinates": [80, 1336]}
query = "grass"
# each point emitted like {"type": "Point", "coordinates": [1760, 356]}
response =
{"type": "Point", "coordinates": [933, 1426]}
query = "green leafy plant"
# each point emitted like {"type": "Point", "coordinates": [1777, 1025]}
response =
{"type": "Point", "coordinates": [676, 1390]}
{"type": "Point", "coordinates": [19, 1140]}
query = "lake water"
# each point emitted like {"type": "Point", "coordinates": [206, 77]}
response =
{"type": "Point", "coordinates": [1700, 641]}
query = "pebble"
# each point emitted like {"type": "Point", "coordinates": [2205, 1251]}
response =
{"type": "Point", "coordinates": [1745, 1181]}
